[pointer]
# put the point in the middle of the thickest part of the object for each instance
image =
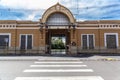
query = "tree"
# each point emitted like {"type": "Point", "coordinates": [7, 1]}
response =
{"type": "Point", "coordinates": [57, 43]}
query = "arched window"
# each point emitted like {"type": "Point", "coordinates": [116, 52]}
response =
{"type": "Point", "coordinates": [57, 19]}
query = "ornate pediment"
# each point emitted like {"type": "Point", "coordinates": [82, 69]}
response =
{"type": "Point", "coordinates": [58, 8]}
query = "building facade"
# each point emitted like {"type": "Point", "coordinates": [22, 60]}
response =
{"type": "Point", "coordinates": [102, 36]}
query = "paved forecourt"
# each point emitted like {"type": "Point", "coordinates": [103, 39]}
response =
{"type": "Point", "coordinates": [58, 69]}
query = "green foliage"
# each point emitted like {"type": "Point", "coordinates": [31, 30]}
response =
{"type": "Point", "coordinates": [57, 43]}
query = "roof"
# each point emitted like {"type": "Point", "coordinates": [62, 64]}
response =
{"type": "Point", "coordinates": [79, 22]}
{"type": "Point", "coordinates": [100, 22]}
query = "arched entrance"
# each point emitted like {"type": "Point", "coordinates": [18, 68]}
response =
{"type": "Point", "coordinates": [58, 23]}
{"type": "Point", "coordinates": [57, 36]}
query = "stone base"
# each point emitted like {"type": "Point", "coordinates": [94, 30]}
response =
{"type": "Point", "coordinates": [73, 50]}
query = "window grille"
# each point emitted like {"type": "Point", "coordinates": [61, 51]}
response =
{"type": "Point", "coordinates": [58, 19]}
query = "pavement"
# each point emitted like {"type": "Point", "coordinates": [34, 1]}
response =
{"type": "Point", "coordinates": [81, 58]}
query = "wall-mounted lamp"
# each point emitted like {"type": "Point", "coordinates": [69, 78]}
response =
{"type": "Point", "coordinates": [74, 26]}
{"type": "Point", "coordinates": [46, 27]}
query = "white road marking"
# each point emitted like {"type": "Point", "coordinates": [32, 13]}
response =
{"type": "Point", "coordinates": [58, 65]}
{"type": "Point", "coordinates": [59, 62]}
{"type": "Point", "coordinates": [62, 78]}
{"type": "Point", "coordinates": [60, 59]}
{"type": "Point", "coordinates": [58, 70]}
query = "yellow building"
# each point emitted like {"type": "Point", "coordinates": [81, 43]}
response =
{"type": "Point", "coordinates": [23, 37]}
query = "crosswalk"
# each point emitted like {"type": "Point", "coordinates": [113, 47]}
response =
{"type": "Point", "coordinates": [58, 69]}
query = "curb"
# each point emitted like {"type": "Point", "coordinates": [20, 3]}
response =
{"type": "Point", "coordinates": [99, 60]}
{"type": "Point", "coordinates": [104, 59]}
{"type": "Point", "coordinates": [18, 59]}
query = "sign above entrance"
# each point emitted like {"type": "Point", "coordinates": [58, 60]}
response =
{"type": "Point", "coordinates": [58, 27]}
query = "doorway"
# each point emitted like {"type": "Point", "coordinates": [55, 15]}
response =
{"type": "Point", "coordinates": [58, 44]}
{"type": "Point", "coordinates": [57, 41]}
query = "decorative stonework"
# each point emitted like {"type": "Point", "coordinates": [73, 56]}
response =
{"type": "Point", "coordinates": [109, 25]}
{"type": "Point", "coordinates": [7, 25]}
{"type": "Point", "coordinates": [59, 9]}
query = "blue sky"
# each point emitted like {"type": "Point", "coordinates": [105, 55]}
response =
{"type": "Point", "coordinates": [82, 10]}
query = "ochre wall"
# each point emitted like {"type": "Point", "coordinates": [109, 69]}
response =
{"type": "Point", "coordinates": [88, 31]}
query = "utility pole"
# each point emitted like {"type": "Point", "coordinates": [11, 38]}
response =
{"type": "Point", "coordinates": [77, 3]}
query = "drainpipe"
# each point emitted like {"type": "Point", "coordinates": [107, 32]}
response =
{"type": "Point", "coordinates": [15, 39]}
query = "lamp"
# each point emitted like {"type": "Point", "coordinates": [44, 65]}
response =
{"type": "Point", "coordinates": [46, 27]}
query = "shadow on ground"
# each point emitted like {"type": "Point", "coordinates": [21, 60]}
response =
{"type": "Point", "coordinates": [81, 55]}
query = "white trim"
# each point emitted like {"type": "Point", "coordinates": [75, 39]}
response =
{"type": "Point", "coordinates": [105, 42]}
{"type": "Point", "coordinates": [28, 28]}
{"type": "Point", "coordinates": [88, 24]}
{"type": "Point", "coordinates": [87, 39]}
{"type": "Point", "coordinates": [58, 66]}
{"type": "Point", "coordinates": [61, 78]}
{"type": "Point", "coordinates": [66, 62]}
{"type": "Point", "coordinates": [26, 40]}
{"type": "Point", "coordinates": [9, 37]}
{"type": "Point", "coordinates": [28, 24]}
{"type": "Point", "coordinates": [87, 28]}
{"type": "Point", "coordinates": [60, 28]}
{"type": "Point", "coordinates": [58, 70]}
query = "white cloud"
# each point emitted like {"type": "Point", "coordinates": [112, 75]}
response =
{"type": "Point", "coordinates": [88, 9]}
{"type": "Point", "coordinates": [28, 4]}
{"type": "Point", "coordinates": [32, 15]}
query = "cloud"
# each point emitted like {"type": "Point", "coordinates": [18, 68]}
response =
{"type": "Point", "coordinates": [82, 10]}
{"type": "Point", "coordinates": [96, 9]}
{"type": "Point", "coordinates": [35, 15]}
{"type": "Point", "coordinates": [28, 4]}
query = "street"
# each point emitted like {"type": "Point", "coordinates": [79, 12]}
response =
{"type": "Point", "coordinates": [59, 68]}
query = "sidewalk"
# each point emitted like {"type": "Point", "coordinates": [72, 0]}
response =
{"type": "Point", "coordinates": [81, 58]}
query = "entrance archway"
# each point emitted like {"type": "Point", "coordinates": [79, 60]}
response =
{"type": "Point", "coordinates": [57, 24]}
{"type": "Point", "coordinates": [57, 20]}
{"type": "Point", "coordinates": [57, 34]}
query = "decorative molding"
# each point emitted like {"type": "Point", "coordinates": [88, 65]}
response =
{"type": "Point", "coordinates": [109, 25]}
{"type": "Point", "coordinates": [7, 25]}
{"type": "Point", "coordinates": [88, 24]}
{"type": "Point", "coordinates": [28, 25]}
{"type": "Point", "coordinates": [60, 9]}
{"type": "Point", "coordinates": [87, 28]}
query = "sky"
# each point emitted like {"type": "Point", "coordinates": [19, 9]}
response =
{"type": "Point", "coordinates": [81, 9]}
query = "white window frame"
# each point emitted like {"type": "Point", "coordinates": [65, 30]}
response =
{"type": "Point", "coordinates": [88, 40]}
{"type": "Point", "coordinates": [26, 40]}
{"type": "Point", "coordinates": [9, 45]}
{"type": "Point", "coordinates": [105, 39]}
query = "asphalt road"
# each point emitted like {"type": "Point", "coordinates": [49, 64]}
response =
{"type": "Point", "coordinates": [59, 69]}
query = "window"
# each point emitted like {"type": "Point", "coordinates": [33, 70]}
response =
{"type": "Point", "coordinates": [88, 41]}
{"type": "Point", "coordinates": [4, 40]}
{"type": "Point", "coordinates": [26, 42]}
{"type": "Point", "coordinates": [111, 40]}
{"type": "Point", "coordinates": [57, 19]}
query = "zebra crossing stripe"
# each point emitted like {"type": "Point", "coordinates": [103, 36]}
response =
{"type": "Point", "coordinates": [58, 70]}
{"type": "Point", "coordinates": [60, 59]}
{"type": "Point", "coordinates": [61, 78]}
{"type": "Point", "coordinates": [58, 62]}
{"type": "Point", "coordinates": [58, 65]}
